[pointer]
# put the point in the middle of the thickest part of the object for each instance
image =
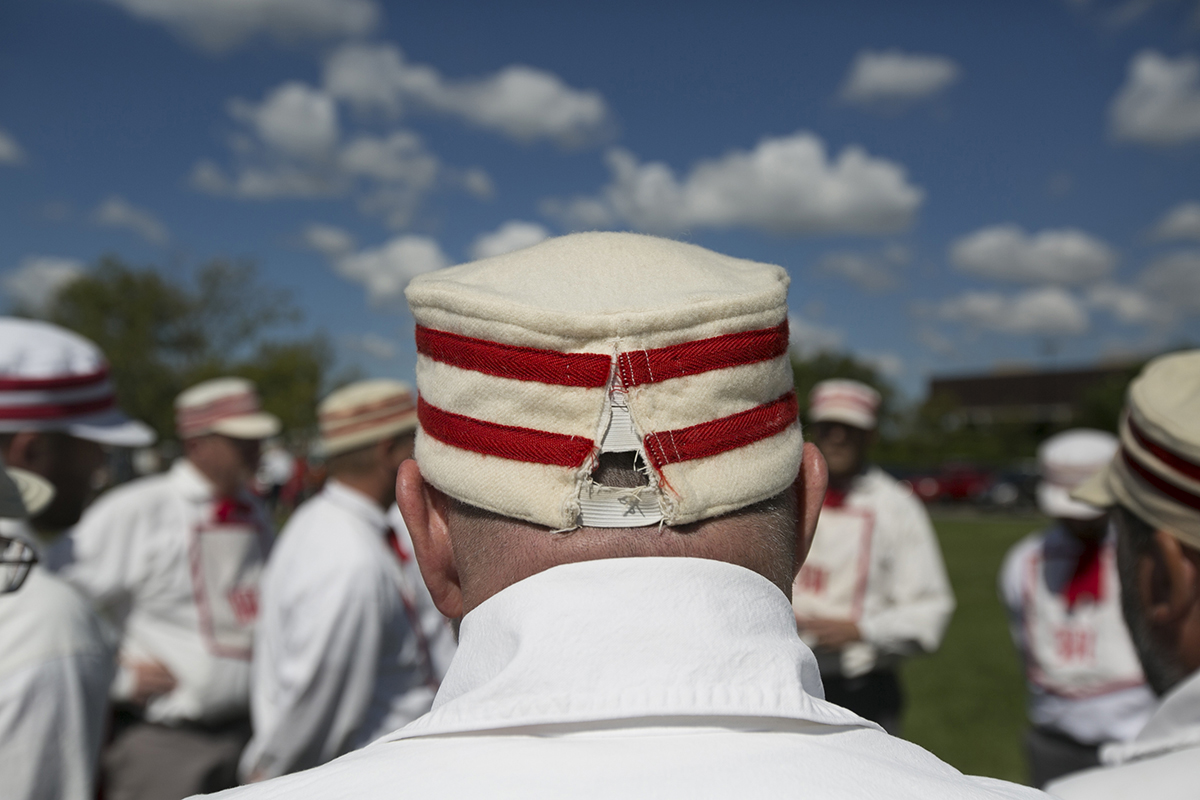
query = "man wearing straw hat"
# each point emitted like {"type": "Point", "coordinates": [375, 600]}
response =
{"type": "Point", "coordinates": [873, 588]}
{"type": "Point", "coordinates": [55, 665]}
{"type": "Point", "coordinates": [611, 490]}
{"type": "Point", "coordinates": [174, 560]}
{"type": "Point", "coordinates": [1062, 593]}
{"type": "Point", "coordinates": [341, 656]}
{"type": "Point", "coordinates": [1153, 487]}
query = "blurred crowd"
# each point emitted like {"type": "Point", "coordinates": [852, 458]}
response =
{"type": "Point", "coordinates": [162, 639]}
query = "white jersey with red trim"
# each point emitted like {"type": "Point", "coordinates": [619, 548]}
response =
{"type": "Point", "coordinates": [55, 669]}
{"type": "Point", "coordinates": [875, 560]}
{"type": "Point", "coordinates": [1082, 672]}
{"type": "Point", "coordinates": [177, 570]}
{"type": "Point", "coordinates": [341, 657]}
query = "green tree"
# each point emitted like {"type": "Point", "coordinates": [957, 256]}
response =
{"type": "Point", "coordinates": [161, 336]}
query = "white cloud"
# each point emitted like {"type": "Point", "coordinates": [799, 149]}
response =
{"type": "Point", "coordinates": [1128, 304]}
{"type": "Point", "coordinates": [478, 183]}
{"type": "Point", "coordinates": [1159, 104]}
{"type": "Point", "coordinates": [892, 78]}
{"type": "Point", "coordinates": [398, 158]}
{"type": "Point", "coordinates": [887, 364]}
{"type": "Point", "coordinates": [35, 282]}
{"type": "Point", "coordinates": [512, 235]}
{"type": "Point", "coordinates": [387, 269]}
{"type": "Point", "coordinates": [1049, 311]}
{"type": "Point", "coordinates": [328, 240]}
{"type": "Point", "coordinates": [295, 119]}
{"type": "Point", "coordinates": [1181, 222]}
{"type": "Point", "coordinates": [1006, 252]}
{"type": "Point", "coordinates": [116, 212]}
{"type": "Point", "coordinates": [520, 102]}
{"type": "Point", "coordinates": [807, 339]}
{"type": "Point", "coordinates": [1175, 280]}
{"type": "Point", "coordinates": [267, 181]}
{"type": "Point", "coordinates": [875, 272]}
{"type": "Point", "coordinates": [784, 185]}
{"type": "Point", "coordinates": [220, 25]}
{"type": "Point", "coordinates": [1166, 292]}
{"type": "Point", "coordinates": [10, 152]}
{"type": "Point", "coordinates": [372, 344]}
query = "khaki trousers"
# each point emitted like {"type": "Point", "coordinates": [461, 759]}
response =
{"type": "Point", "coordinates": [146, 761]}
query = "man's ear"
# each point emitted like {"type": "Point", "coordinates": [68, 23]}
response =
{"type": "Point", "coordinates": [810, 493]}
{"type": "Point", "coordinates": [425, 509]}
{"type": "Point", "coordinates": [1169, 581]}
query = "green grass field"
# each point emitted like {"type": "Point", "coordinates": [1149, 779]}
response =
{"type": "Point", "coordinates": [966, 703]}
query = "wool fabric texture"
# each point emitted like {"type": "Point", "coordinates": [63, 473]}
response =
{"type": "Point", "coordinates": [527, 359]}
{"type": "Point", "coordinates": [1156, 473]}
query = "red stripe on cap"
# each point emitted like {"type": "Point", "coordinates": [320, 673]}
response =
{"type": "Point", "coordinates": [1168, 457]}
{"type": "Point", "coordinates": [503, 441]}
{"type": "Point", "coordinates": [588, 370]}
{"type": "Point", "coordinates": [59, 410]}
{"type": "Point", "coordinates": [11, 384]}
{"type": "Point", "coordinates": [691, 358]}
{"type": "Point", "coordinates": [1176, 493]}
{"type": "Point", "coordinates": [722, 435]}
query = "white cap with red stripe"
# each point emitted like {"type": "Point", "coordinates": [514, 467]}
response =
{"type": "Point", "coordinates": [840, 400]}
{"type": "Point", "coordinates": [534, 363]}
{"type": "Point", "coordinates": [365, 412]}
{"type": "Point", "coordinates": [228, 406]}
{"type": "Point", "coordinates": [52, 379]}
{"type": "Point", "coordinates": [1066, 460]}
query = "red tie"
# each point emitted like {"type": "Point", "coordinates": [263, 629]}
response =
{"type": "Point", "coordinates": [397, 548]}
{"type": "Point", "coordinates": [1086, 580]}
{"type": "Point", "coordinates": [410, 611]}
{"type": "Point", "coordinates": [232, 509]}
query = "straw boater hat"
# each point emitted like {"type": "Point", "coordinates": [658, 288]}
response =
{"type": "Point", "coordinates": [845, 401]}
{"type": "Point", "coordinates": [364, 413]}
{"type": "Point", "coordinates": [1156, 473]}
{"type": "Point", "coordinates": [1066, 460]}
{"type": "Point", "coordinates": [54, 380]}
{"type": "Point", "coordinates": [228, 406]}
{"type": "Point", "coordinates": [532, 363]}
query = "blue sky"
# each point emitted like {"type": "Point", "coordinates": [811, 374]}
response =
{"type": "Point", "coordinates": [952, 186]}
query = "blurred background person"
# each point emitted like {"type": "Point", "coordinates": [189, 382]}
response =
{"type": "Point", "coordinates": [1061, 591]}
{"type": "Point", "coordinates": [874, 588]}
{"type": "Point", "coordinates": [1154, 485]}
{"type": "Point", "coordinates": [341, 656]}
{"type": "Point", "coordinates": [276, 466]}
{"type": "Point", "coordinates": [174, 560]}
{"type": "Point", "coordinates": [55, 662]}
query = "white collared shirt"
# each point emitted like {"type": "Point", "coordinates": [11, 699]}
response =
{"type": "Point", "coordinates": [876, 560]}
{"type": "Point", "coordinates": [180, 584]}
{"type": "Point", "coordinates": [55, 670]}
{"type": "Point", "coordinates": [336, 660]}
{"type": "Point", "coordinates": [1161, 763]}
{"type": "Point", "coordinates": [1082, 673]}
{"type": "Point", "coordinates": [637, 677]}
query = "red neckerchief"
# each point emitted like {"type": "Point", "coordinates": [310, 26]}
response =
{"type": "Point", "coordinates": [232, 510]}
{"type": "Point", "coordinates": [397, 548]}
{"type": "Point", "coordinates": [410, 611]}
{"type": "Point", "coordinates": [834, 498]}
{"type": "Point", "coordinates": [1086, 581]}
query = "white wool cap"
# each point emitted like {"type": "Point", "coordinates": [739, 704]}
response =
{"type": "Point", "coordinates": [849, 402]}
{"type": "Point", "coordinates": [363, 413]}
{"type": "Point", "coordinates": [228, 406]}
{"type": "Point", "coordinates": [1156, 472]}
{"type": "Point", "coordinates": [532, 363]}
{"type": "Point", "coordinates": [1066, 460]}
{"type": "Point", "coordinates": [52, 379]}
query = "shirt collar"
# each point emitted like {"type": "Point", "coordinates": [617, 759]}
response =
{"type": "Point", "coordinates": [355, 502]}
{"type": "Point", "coordinates": [190, 481]}
{"type": "Point", "coordinates": [1174, 725]}
{"type": "Point", "coordinates": [630, 638]}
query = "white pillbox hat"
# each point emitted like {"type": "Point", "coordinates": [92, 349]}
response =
{"type": "Point", "coordinates": [846, 401]}
{"type": "Point", "coordinates": [227, 406]}
{"type": "Point", "coordinates": [532, 363]}
{"type": "Point", "coordinates": [365, 412]}
{"type": "Point", "coordinates": [53, 379]}
{"type": "Point", "coordinates": [1066, 460]}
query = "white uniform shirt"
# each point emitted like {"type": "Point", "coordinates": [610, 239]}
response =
{"type": "Point", "coordinates": [55, 670]}
{"type": "Point", "coordinates": [176, 570]}
{"type": "Point", "coordinates": [336, 661]}
{"type": "Point", "coordinates": [875, 560]}
{"type": "Point", "coordinates": [1083, 674]}
{"type": "Point", "coordinates": [636, 677]}
{"type": "Point", "coordinates": [1161, 763]}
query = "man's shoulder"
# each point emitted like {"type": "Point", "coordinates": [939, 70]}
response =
{"type": "Point", "coordinates": [139, 495]}
{"type": "Point", "coordinates": [1173, 776]}
{"type": "Point", "coordinates": [45, 619]}
{"type": "Point", "coordinates": [326, 540]}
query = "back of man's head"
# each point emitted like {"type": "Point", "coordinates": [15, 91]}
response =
{"type": "Point", "coordinates": [598, 396]}
{"type": "Point", "coordinates": [1154, 483]}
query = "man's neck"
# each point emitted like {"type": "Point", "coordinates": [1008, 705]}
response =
{"type": "Point", "coordinates": [222, 486]}
{"type": "Point", "coordinates": [843, 481]}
